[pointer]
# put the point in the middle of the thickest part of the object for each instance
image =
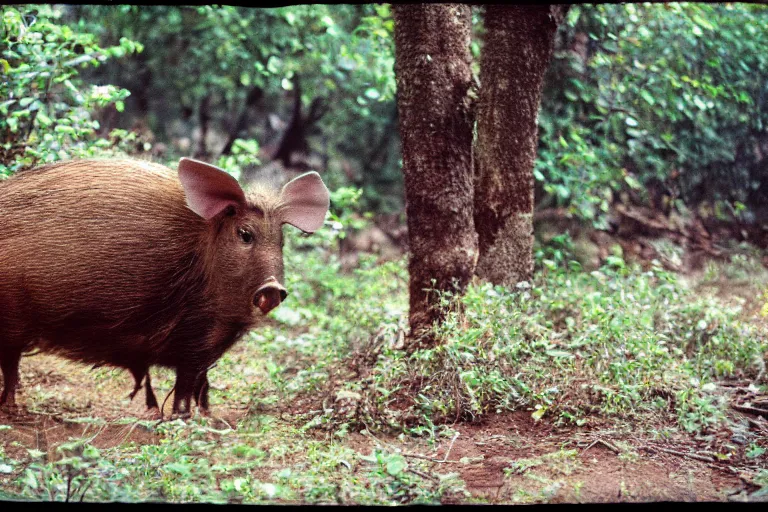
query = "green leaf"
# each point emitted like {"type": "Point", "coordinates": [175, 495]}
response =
{"type": "Point", "coordinates": [539, 413]}
{"type": "Point", "coordinates": [647, 96]}
{"type": "Point", "coordinates": [30, 479]}
{"type": "Point", "coordinates": [36, 454]}
{"type": "Point", "coordinates": [396, 465]}
{"type": "Point", "coordinates": [560, 354]}
{"type": "Point", "coordinates": [632, 182]}
{"type": "Point", "coordinates": [274, 64]}
{"type": "Point", "coordinates": [180, 468]}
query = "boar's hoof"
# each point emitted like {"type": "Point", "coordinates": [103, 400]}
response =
{"type": "Point", "coordinates": [180, 416]}
{"type": "Point", "coordinates": [10, 408]}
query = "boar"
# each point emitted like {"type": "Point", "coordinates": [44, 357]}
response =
{"type": "Point", "coordinates": [129, 264]}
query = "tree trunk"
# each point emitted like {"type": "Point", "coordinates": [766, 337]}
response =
{"type": "Point", "coordinates": [432, 66]}
{"type": "Point", "coordinates": [241, 125]}
{"type": "Point", "coordinates": [516, 53]}
{"type": "Point", "coordinates": [293, 137]}
{"type": "Point", "coordinates": [204, 117]}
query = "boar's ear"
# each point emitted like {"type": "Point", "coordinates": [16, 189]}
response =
{"type": "Point", "coordinates": [304, 201]}
{"type": "Point", "coordinates": [208, 189]}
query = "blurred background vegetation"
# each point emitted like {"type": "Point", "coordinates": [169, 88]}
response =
{"type": "Point", "coordinates": [645, 103]}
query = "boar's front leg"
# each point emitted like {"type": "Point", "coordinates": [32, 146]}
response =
{"type": "Point", "coordinates": [9, 363]}
{"type": "Point", "coordinates": [187, 379]}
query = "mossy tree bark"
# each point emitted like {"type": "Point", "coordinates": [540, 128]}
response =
{"type": "Point", "coordinates": [432, 66]}
{"type": "Point", "coordinates": [515, 56]}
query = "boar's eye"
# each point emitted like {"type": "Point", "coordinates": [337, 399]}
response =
{"type": "Point", "coordinates": [245, 235]}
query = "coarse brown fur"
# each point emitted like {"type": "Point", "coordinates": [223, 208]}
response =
{"type": "Point", "coordinates": [101, 261]}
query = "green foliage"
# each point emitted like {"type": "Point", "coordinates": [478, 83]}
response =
{"type": "Point", "coordinates": [671, 92]}
{"type": "Point", "coordinates": [79, 473]}
{"type": "Point", "coordinates": [220, 49]}
{"type": "Point", "coordinates": [45, 112]}
{"type": "Point", "coordinates": [556, 254]}
{"type": "Point", "coordinates": [342, 57]}
{"type": "Point", "coordinates": [262, 461]}
{"type": "Point", "coordinates": [675, 92]}
{"type": "Point", "coordinates": [244, 153]}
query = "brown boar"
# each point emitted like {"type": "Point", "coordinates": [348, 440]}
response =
{"type": "Point", "coordinates": [130, 264]}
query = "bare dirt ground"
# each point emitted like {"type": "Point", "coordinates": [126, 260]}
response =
{"type": "Point", "coordinates": [511, 459]}
{"type": "Point", "coordinates": [506, 458]}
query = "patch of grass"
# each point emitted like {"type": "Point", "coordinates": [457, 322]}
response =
{"type": "Point", "coordinates": [263, 461]}
{"type": "Point", "coordinates": [762, 480]}
{"type": "Point", "coordinates": [562, 461]}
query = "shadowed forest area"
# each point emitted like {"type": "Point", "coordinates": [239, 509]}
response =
{"type": "Point", "coordinates": [620, 357]}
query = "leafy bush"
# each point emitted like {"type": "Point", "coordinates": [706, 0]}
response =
{"type": "Point", "coordinates": [675, 92]}
{"type": "Point", "coordinates": [46, 111]}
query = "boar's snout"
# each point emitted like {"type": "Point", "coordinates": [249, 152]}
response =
{"type": "Point", "coordinates": [270, 295]}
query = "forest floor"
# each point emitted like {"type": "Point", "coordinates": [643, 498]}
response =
{"type": "Point", "coordinates": [504, 458]}
{"type": "Point", "coordinates": [507, 458]}
{"type": "Point", "coordinates": [77, 435]}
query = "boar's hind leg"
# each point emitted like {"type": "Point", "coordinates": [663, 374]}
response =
{"type": "Point", "coordinates": [9, 363]}
{"type": "Point", "coordinates": [138, 375]}
{"type": "Point", "coordinates": [201, 393]}
{"type": "Point", "coordinates": [151, 399]}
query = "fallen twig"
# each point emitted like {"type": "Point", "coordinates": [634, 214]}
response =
{"type": "Point", "coordinates": [432, 459]}
{"type": "Point", "coordinates": [367, 432]}
{"type": "Point", "coordinates": [694, 456]}
{"type": "Point", "coordinates": [760, 425]}
{"type": "Point", "coordinates": [423, 475]}
{"type": "Point", "coordinates": [455, 436]}
{"type": "Point", "coordinates": [741, 384]}
{"type": "Point", "coordinates": [750, 410]}
{"type": "Point", "coordinates": [604, 443]}
{"type": "Point", "coordinates": [722, 467]}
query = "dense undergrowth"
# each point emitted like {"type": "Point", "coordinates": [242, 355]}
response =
{"type": "Point", "coordinates": [572, 345]}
